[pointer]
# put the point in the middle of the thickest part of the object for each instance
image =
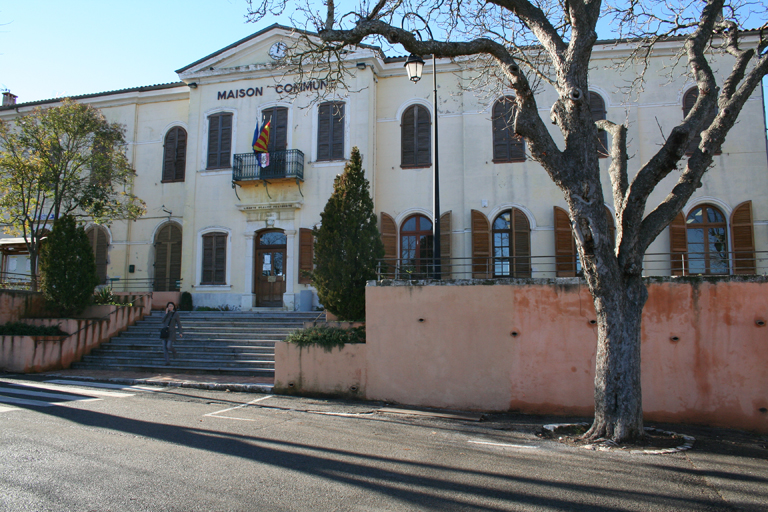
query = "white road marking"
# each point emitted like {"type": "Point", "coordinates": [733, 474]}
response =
{"type": "Point", "coordinates": [45, 394]}
{"type": "Point", "coordinates": [505, 445]}
{"type": "Point", "coordinates": [216, 414]}
{"type": "Point", "coordinates": [35, 403]}
{"type": "Point", "coordinates": [101, 385]}
{"type": "Point", "coordinates": [72, 389]}
{"type": "Point", "coordinates": [7, 409]}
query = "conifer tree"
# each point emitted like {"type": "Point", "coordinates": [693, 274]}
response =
{"type": "Point", "coordinates": [67, 268]}
{"type": "Point", "coordinates": [347, 244]}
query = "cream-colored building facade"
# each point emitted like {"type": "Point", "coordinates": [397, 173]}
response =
{"type": "Point", "coordinates": [212, 230]}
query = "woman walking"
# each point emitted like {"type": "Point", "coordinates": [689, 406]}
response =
{"type": "Point", "coordinates": [171, 321]}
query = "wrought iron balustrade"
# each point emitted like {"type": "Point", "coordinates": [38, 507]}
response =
{"type": "Point", "coordinates": [288, 163]}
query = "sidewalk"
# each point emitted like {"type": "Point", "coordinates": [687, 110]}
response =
{"type": "Point", "coordinates": [182, 380]}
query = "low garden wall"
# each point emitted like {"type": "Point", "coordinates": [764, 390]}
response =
{"type": "Point", "coordinates": [29, 354]}
{"type": "Point", "coordinates": [17, 304]}
{"type": "Point", "coordinates": [529, 346]}
{"type": "Point", "coordinates": [314, 370]}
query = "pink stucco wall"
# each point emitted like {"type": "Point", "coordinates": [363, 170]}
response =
{"type": "Point", "coordinates": [25, 354]}
{"type": "Point", "coordinates": [532, 348]}
{"type": "Point", "coordinates": [16, 304]}
{"type": "Point", "coordinates": [313, 370]}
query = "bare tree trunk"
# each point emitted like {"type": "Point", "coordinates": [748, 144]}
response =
{"type": "Point", "coordinates": [33, 270]}
{"type": "Point", "coordinates": [618, 395]}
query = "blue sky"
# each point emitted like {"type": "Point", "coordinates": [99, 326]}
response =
{"type": "Point", "coordinates": [56, 48]}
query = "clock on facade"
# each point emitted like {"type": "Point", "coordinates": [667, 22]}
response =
{"type": "Point", "coordinates": [277, 51]}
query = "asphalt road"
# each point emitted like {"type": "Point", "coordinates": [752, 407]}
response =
{"type": "Point", "coordinates": [68, 447]}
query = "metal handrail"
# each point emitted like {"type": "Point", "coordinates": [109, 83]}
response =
{"type": "Point", "coordinates": [287, 163]}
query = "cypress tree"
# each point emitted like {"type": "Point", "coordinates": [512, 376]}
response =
{"type": "Point", "coordinates": [67, 268]}
{"type": "Point", "coordinates": [347, 244]}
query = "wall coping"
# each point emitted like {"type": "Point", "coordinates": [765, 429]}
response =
{"type": "Point", "coordinates": [568, 281]}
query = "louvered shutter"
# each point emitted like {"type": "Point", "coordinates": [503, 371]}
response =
{"type": "Point", "coordinates": [337, 135]}
{"type": "Point", "coordinates": [408, 138]}
{"type": "Point", "coordinates": [611, 227]}
{"type": "Point", "coordinates": [324, 112]}
{"type": "Point", "coordinates": [565, 249]}
{"type": "Point", "coordinates": [180, 162]}
{"type": "Point", "coordinates": [226, 140]}
{"type": "Point", "coordinates": [169, 155]}
{"type": "Point", "coordinates": [500, 128]}
{"type": "Point", "coordinates": [306, 254]}
{"type": "Point", "coordinates": [423, 137]}
{"type": "Point", "coordinates": [174, 260]}
{"type": "Point", "coordinates": [207, 277]}
{"type": "Point", "coordinates": [678, 245]}
{"type": "Point", "coordinates": [220, 259]}
{"type": "Point", "coordinates": [742, 230]}
{"type": "Point", "coordinates": [213, 142]}
{"type": "Point", "coordinates": [161, 259]}
{"type": "Point", "coordinates": [445, 245]}
{"type": "Point", "coordinates": [388, 230]}
{"type": "Point", "coordinates": [98, 239]}
{"type": "Point", "coordinates": [280, 122]}
{"type": "Point", "coordinates": [597, 107]}
{"type": "Point", "coordinates": [481, 245]}
{"type": "Point", "coordinates": [521, 244]}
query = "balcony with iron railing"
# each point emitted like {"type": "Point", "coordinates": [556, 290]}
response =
{"type": "Point", "coordinates": [285, 164]}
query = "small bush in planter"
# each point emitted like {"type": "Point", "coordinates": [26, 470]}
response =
{"type": "Point", "coordinates": [327, 337]}
{"type": "Point", "coordinates": [22, 329]}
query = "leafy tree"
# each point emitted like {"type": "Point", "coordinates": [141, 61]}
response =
{"type": "Point", "coordinates": [523, 43]}
{"type": "Point", "coordinates": [67, 267]}
{"type": "Point", "coordinates": [347, 244]}
{"type": "Point", "coordinates": [63, 160]}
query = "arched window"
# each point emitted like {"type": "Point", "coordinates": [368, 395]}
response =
{"type": "Point", "coordinates": [689, 100]}
{"type": "Point", "coordinates": [416, 247]}
{"type": "Point", "coordinates": [507, 147]}
{"type": "Point", "coordinates": [511, 245]}
{"type": "Point", "coordinates": [330, 131]}
{"type": "Point", "coordinates": [597, 106]}
{"type": "Point", "coordinates": [99, 240]}
{"type": "Point", "coordinates": [707, 234]}
{"type": "Point", "coordinates": [168, 258]}
{"type": "Point", "coordinates": [416, 137]}
{"type": "Point", "coordinates": [214, 269]}
{"type": "Point", "coordinates": [175, 154]}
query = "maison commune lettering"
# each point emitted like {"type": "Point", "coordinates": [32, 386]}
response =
{"type": "Point", "coordinates": [313, 85]}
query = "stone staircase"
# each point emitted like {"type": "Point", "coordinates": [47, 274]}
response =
{"type": "Point", "coordinates": [214, 342]}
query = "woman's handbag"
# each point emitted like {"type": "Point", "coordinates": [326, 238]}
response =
{"type": "Point", "coordinates": [165, 333]}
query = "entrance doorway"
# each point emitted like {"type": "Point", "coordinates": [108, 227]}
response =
{"type": "Point", "coordinates": [269, 271]}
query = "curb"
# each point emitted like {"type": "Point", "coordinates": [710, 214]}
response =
{"type": "Point", "coordinates": [213, 386]}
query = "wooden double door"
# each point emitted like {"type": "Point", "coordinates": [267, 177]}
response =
{"type": "Point", "coordinates": [269, 272]}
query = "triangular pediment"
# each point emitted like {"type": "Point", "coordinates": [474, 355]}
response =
{"type": "Point", "coordinates": [260, 50]}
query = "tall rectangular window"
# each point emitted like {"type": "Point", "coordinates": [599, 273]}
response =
{"type": "Point", "coordinates": [330, 131]}
{"type": "Point", "coordinates": [214, 259]}
{"type": "Point", "coordinates": [219, 140]}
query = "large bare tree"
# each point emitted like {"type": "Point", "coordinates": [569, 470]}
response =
{"type": "Point", "coordinates": [552, 41]}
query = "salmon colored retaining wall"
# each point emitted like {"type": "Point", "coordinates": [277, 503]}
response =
{"type": "Point", "coordinates": [26, 354]}
{"type": "Point", "coordinates": [531, 347]}
{"type": "Point", "coordinates": [161, 299]}
{"type": "Point", "coordinates": [17, 304]}
{"type": "Point", "coordinates": [312, 370]}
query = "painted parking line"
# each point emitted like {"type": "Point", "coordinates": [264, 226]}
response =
{"type": "Point", "coordinates": [504, 445]}
{"type": "Point", "coordinates": [217, 413]}
{"type": "Point", "coordinates": [103, 385]}
{"type": "Point", "coordinates": [45, 394]}
{"type": "Point", "coordinates": [70, 389]}
{"type": "Point", "coordinates": [8, 409]}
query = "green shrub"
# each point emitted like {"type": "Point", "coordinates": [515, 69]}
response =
{"type": "Point", "coordinates": [22, 329]}
{"type": "Point", "coordinates": [327, 337]}
{"type": "Point", "coordinates": [186, 302]}
{"type": "Point", "coordinates": [105, 297]}
{"type": "Point", "coordinates": [225, 307]}
{"type": "Point", "coordinates": [67, 268]}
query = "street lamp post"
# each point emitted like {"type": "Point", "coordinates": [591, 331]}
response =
{"type": "Point", "coordinates": [415, 66]}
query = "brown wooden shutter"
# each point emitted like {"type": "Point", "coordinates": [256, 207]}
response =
{"type": "Point", "coordinates": [689, 100]}
{"type": "Point", "coordinates": [678, 245]}
{"type": "Point", "coordinates": [324, 113]}
{"type": "Point", "coordinates": [174, 260]}
{"type": "Point", "coordinates": [169, 155]}
{"type": "Point", "coordinates": [499, 125]}
{"type": "Point", "coordinates": [408, 137]}
{"type": "Point", "coordinates": [388, 230]}
{"type": "Point", "coordinates": [180, 163]}
{"type": "Point", "coordinates": [98, 239]}
{"type": "Point", "coordinates": [597, 106]}
{"type": "Point", "coordinates": [446, 265]}
{"type": "Point", "coordinates": [213, 142]}
{"type": "Point", "coordinates": [521, 243]}
{"type": "Point", "coordinates": [306, 254]}
{"type": "Point", "coordinates": [219, 141]}
{"type": "Point", "coordinates": [423, 136]}
{"type": "Point", "coordinates": [207, 277]}
{"type": "Point", "coordinates": [565, 254]}
{"type": "Point", "coordinates": [225, 149]}
{"type": "Point", "coordinates": [481, 245]}
{"type": "Point", "coordinates": [337, 138]}
{"type": "Point", "coordinates": [220, 259]}
{"type": "Point", "coordinates": [278, 138]}
{"type": "Point", "coordinates": [742, 231]}
{"type": "Point", "coordinates": [611, 227]}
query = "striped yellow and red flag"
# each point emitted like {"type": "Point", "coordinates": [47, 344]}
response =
{"type": "Point", "coordinates": [261, 141]}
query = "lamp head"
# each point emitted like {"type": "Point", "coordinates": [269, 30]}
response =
{"type": "Point", "coordinates": [414, 65]}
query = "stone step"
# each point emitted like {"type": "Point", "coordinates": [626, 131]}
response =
{"type": "Point", "coordinates": [176, 367]}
